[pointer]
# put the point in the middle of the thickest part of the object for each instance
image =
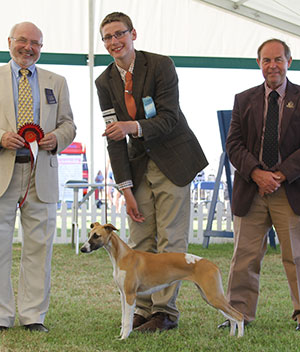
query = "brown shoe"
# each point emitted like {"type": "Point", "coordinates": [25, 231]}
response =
{"type": "Point", "coordinates": [158, 321]}
{"type": "Point", "coordinates": [138, 320]}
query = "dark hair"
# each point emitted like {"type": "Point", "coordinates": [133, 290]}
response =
{"type": "Point", "coordinates": [287, 50]}
{"type": "Point", "coordinates": [117, 17]}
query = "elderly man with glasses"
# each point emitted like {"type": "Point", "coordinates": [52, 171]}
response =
{"type": "Point", "coordinates": [36, 123]}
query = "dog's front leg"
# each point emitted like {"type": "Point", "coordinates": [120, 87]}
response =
{"type": "Point", "coordinates": [127, 319]}
{"type": "Point", "coordinates": [122, 296]}
{"type": "Point", "coordinates": [233, 325]}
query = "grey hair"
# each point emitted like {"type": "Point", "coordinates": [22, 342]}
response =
{"type": "Point", "coordinates": [12, 31]}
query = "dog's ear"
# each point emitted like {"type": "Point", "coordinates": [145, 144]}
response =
{"type": "Point", "coordinates": [94, 224]}
{"type": "Point", "coordinates": [109, 228]}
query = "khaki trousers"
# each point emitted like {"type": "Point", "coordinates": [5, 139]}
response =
{"type": "Point", "coordinates": [38, 223]}
{"type": "Point", "coordinates": [166, 208]}
{"type": "Point", "coordinates": [250, 245]}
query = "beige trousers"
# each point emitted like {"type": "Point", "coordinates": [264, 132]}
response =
{"type": "Point", "coordinates": [250, 245]}
{"type": "Point", "coordinates": [166, 208]}
{"type": "Point", "coordinates": [38, 223]}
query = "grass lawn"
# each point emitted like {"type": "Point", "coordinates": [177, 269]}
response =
{"type": "Point", "coordinates": [85, 311]}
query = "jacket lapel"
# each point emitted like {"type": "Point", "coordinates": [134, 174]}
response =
{"type": "Point", "coordinates": [44, 77]}
{"type": "Point", "coordinates": [257, 104]}
{"type": "Point", "coordinates": [290, 102]}
{"type": "Point", "coordinates": [117, 87]}
{"type": "Point", "coordinates": [139, 75]}
{"type": "Point", "coordinates": [7, 90]}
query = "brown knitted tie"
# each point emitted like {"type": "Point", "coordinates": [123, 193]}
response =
{"type": "Point", "coordinates": [129, 100]}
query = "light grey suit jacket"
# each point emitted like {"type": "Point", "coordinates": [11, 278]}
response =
{"type": "Point", "coordinates": [56, 118]}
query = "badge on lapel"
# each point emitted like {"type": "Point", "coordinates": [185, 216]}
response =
{"type": "Point", "coordinates": [290, 105]}
{"type": "Point", "coordinates": [149, 107]}
{"type": "Point", "coordinates": [50, 96]}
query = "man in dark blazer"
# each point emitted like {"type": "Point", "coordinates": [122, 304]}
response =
{"type": "Point", "coordinates": [154, 156]}
{"type": "Point", "coordinates": [265, 194]}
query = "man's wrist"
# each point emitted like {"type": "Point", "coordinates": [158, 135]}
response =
{"type": "Point", "coordinates": [138, 132]}
{"type": "Point", "coordinates": [125, 184]}
{"type": "Point", "coordinates": [254, 173]}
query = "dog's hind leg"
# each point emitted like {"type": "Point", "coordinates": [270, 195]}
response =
{"type": "Point", "coordinates": [234, 322]}
{"type": "Point", "coordinates": [235, 317]}
{"type": "Point", "coordinates": [240, 328]}
{"type": "Point", "coordinates": [211, 289]}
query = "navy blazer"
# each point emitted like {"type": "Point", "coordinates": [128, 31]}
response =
{"type": "Point", "coordinates": [167, 138]}
{"type": "Point", "coordinates": [244, 142]}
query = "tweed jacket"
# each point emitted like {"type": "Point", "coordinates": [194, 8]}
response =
{"type": "Point", "coordinates": [167, 138]}
{"type": "Point", "coordinates": [56, 118]}
{"type": "Point", "coordinates": [244, 142]}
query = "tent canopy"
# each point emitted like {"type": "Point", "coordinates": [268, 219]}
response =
{"type": "Point", "coordinates": [283, 15]}
{"type": "Point", "coordinates": [188, 30]}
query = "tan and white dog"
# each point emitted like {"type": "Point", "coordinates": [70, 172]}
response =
{"type": "Point", "coordinates": [137, 272]}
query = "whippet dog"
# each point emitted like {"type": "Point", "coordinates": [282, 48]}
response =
{"type": "Point", "coordinates": [136, 272]}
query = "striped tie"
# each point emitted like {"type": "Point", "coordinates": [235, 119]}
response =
{"type": "Point", "coordinates": [25, 104]}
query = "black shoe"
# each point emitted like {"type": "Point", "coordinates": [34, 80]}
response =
{"type": "Point", "coordinates": [2, 328]}
{"type": "Point", "coordinates": [36, 327]}
{"type": "Point", "coordinates": [226, 324]}
{"type": "Point", "coordinates": [298, 327]}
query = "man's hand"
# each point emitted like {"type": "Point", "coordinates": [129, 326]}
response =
{"type": "Point", "coordinates": [48, 142]}
{"type": "Point", "coordinates": [12, 141]}
{"type": "Point", "coordinates": [282, 177]}
{"type": "Point", "coordinates": [267, 181]}
{"type": "Point", "coordinates": [131, 206]}
{"type": "Point", "coordinates": [118, 130]}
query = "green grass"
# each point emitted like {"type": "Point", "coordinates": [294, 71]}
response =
{"type": "Point", "coordinates": [85, 311]}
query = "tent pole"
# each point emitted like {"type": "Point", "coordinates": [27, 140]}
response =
{"type": "Point", "coordinates": [91, 71]}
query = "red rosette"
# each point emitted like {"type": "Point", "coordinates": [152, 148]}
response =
{"type": "Point", "coordinates": [31, 132]}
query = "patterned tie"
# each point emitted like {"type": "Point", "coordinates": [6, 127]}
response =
{"type": "Point", "coordinates": [270, 149]}
{"type": "Point", "coordinates": [25, 104]}
{"type": "Point", "coordinates": [129, 100]}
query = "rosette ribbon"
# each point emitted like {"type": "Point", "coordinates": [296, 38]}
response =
{"type": "Point", "coordinates": [32, 134]}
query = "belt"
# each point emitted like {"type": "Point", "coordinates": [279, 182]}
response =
{"type": "Point", "coordinates": [22, 159]}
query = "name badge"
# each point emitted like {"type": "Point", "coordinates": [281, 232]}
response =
{"type": "Point", "coordinates": [50, 96]}
{"type": "Point", "coordinates": [109, 116]}
{"type": "Point", "coordinates": [149, 107]}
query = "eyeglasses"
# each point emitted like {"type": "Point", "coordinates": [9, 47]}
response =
{"type": "Point", "coordinates": [24, 41]}
{"type": "Point", "coordinates": [117, 35]}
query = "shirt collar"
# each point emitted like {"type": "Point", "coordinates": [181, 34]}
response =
{"type": "Point", "coordinates": [16, 69]}
{"type": "Point", "coordinates": [123, 72]}
{"type": "Point", "coordinates": [280, 90]}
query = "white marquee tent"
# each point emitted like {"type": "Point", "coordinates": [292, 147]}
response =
{"type": "Point", "coordinates": [172, 27]}
{"type": "Point", "coordinates": [210, 41]}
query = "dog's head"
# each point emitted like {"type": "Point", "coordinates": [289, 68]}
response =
{"type": "Point", "coordinates": [99, 236]}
